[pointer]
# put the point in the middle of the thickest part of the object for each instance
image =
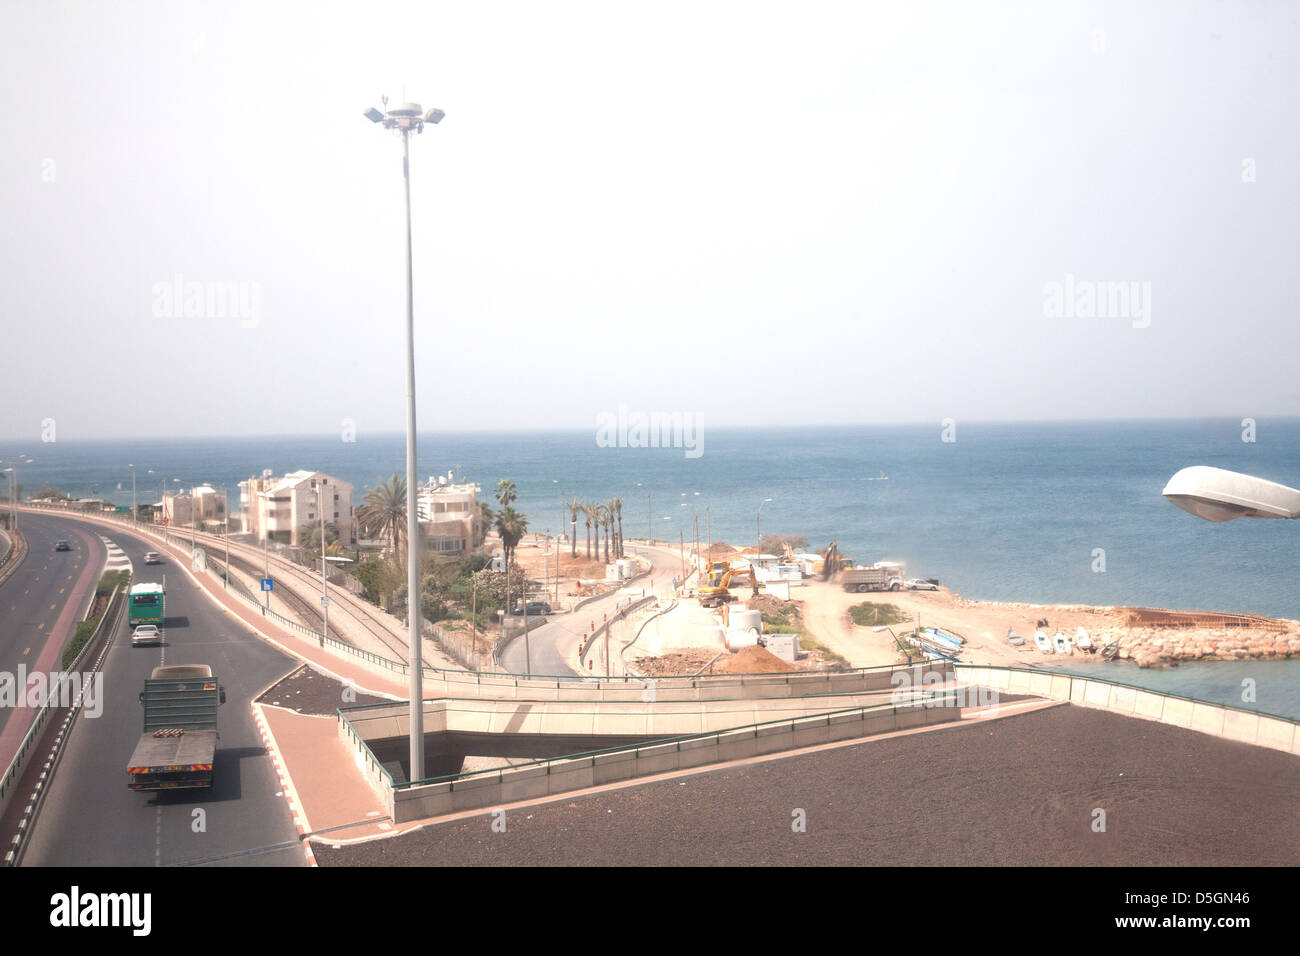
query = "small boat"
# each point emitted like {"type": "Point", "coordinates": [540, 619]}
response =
{"type": "Point", "coordinates": [1014, 638]}
{"type": "Point", "coordinates": [1110, 651]}
{"type": "Point", "coordinates": [935, 640]}
{"type": "Point", "coordinates": [1044, 644]}
{"type": "Point", "coordinates": [1083, 641]}
{"type": "Point", "coordinates": [1062, 643]}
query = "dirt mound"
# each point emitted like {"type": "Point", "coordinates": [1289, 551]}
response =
{"type": "Point", "coordinates": [684, 662]}
{"type": "Point", "coordinates": [767, 604]}
{"type": "Point", "coordinates": [719, 550]}
{"type": "Point", "coordinates": [754, 660]}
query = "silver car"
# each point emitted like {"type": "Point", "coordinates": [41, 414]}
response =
{"type": "Point", "coordinates": [146, 634]}
{"type": "Point", "coordinates": [917, 584]}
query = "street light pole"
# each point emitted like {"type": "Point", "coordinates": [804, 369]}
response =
{"type": "Point", "coordinates": [405, 118]}
{"type": "Point", "coordinates": [758, 528]}
{"type": "Point", "coordinates": [133, 505]}
{"type": "Point", "coordinates": [324, 578]}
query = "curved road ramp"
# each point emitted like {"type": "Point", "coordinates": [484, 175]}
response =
{"type": "Point", "coordinates": [576, 744]}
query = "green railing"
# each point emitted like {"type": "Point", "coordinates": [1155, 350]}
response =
{"type": "Point", "coordinates": [926, 698]}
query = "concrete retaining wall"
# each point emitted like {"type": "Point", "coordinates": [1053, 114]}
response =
{"type": "Point", "coordinates": [1230, 723]}
{"type": "Point", "coordinates": [565, 775]}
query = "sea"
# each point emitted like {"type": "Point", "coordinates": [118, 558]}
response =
{"type": "Point", "coordinates": [1045, 512]}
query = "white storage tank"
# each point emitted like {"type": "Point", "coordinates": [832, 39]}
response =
{"type": "Point", "coordinates": [745, 619]}
{"type": "Point", "coordinates": [626, 568]}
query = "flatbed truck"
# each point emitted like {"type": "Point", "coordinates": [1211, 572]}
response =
{"type": "Point", "coordinates": [884, 576]}
{"type": "Point", "coordinates": [179, 743]}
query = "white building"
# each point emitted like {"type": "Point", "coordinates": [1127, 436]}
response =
{"type": "Point", "coordinates": [449, 517]}
{"type": "Point", "coordinates": [202, 507]}
{"type": "Point", "coordinates": [285, 509]}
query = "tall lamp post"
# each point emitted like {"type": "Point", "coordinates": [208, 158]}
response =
{"type": "Point", "coordinates": [758, 527]}
{"type": "Point", "coordinates": [133, 511]}
{"type": "Point", "coordinates": [408, 117]}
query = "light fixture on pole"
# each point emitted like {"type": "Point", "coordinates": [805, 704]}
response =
{"type": "Point", "coordinates": [1216, 494]}
{"type": "Point", "coordinates": [408, 118]}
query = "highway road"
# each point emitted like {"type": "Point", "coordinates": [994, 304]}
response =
{"type": "Point", "coordinates": [90, 818]}
{"type": "Point", "coordinates": [41, 602]}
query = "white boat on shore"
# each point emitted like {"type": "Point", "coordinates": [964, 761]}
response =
{"type": "Point", "coordinates": [1043, 642]}
{"type": "Point", "coordinates": [1062, 643]}
{"type": "Point", "coordinates": [1082, 640]}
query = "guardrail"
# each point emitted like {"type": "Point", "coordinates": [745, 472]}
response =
{"type": "Point", "coordinates": [17, 551]}
{"type": "Point", "coordinates": [8, 783]}
{"type": "Point", "coordinates": [546, 776]}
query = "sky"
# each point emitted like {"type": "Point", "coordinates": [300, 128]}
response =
{"type": "Point", "coordinates": [756, 214]}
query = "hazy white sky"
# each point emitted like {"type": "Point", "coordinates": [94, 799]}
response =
{"type": "Point", "coordinates": [757, 213]}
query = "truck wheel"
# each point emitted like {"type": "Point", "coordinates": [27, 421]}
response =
{"type": "Point", "coordinates": [863, 589]}
{"type": "Point", "coordinates": [894, 587]}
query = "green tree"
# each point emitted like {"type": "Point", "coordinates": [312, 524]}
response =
{"type": "Point", "coordinates": [574, 506]}
{"type": "Point", "coordinates": [383, 512]}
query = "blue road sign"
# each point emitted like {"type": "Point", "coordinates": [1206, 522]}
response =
{"type": "Point", "coordinates": [268, 584]}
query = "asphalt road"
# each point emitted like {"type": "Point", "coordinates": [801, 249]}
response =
{"type": "Point", "coordinates": [550, 649]}
{"type": "Point", "coordinates": [35, 617]}
{"type": "Point", "coordinates": [90, 818]}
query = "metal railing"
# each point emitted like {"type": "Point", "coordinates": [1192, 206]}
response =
{"type": "Point", "coordinates": [937, 698]}
{"type": "Point", "coordinates": [35, 731]}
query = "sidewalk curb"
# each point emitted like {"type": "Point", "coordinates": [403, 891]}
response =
{"type": "Point", "coordinates": [286, 782]}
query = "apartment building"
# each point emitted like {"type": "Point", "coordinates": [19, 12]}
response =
{"type": "Point", "coordinates": [449, 517]}
{"type": "Point", "coordinates": [283, 509]}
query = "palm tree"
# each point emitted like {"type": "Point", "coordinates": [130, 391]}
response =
{"type": "Point", "coordinates": [588, 510]}
{"type": "Point", "coordinates": [617, 504]}
{"type": "Point", "coordinates": [574, 507]}
{"type": "Point", "coordinates": [506, 492]}
{"type": "Point", "coordinates": [511, 526]}
{"type": "Point", "coordinates": [603, 514]}
{"type": "Point", "coordinates": [383, 513]}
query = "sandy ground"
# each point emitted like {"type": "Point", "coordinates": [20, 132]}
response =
{"type": "Point", "coordinates": [983, 624]}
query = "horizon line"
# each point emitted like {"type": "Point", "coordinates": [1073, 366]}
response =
{"type": "Point", "coordinates": [501, 430]}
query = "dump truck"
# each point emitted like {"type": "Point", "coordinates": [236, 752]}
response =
{"type": "Point", "coordinates": [179, 743]}
{"type": "Point", "coordinates": [883, 576]}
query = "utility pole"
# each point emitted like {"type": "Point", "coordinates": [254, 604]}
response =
{"type": "Point", "coordinates": [412, 599]}
{"type": "Point", "coordinates": [650, 519]}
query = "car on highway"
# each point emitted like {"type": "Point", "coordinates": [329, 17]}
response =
{"type": "Point", "coordinates": [62, 545]}
{"type": "Point", "coordinates": [146, 634]}
{"type": "Point", "coordinates": [918, 584]}
{"type": "Point", "coordinates": [152, 557]}
{"type": "Point", "coordinates": [534, 607]}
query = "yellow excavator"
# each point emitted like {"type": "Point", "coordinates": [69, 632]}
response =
{"type": "Point", "coordinates": [718, 592]}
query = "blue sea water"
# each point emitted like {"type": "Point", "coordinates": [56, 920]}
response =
{"type": "Point", "coordinates": [1007, 512]}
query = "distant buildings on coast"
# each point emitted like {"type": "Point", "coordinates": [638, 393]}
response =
{"type": "Point", "coordinates": [286, 510]}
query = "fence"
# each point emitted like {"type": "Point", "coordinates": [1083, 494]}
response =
{"type": "Point", "coordinates": [13, 774]}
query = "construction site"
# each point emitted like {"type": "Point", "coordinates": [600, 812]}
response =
{"type": "Point", "coordinates": [740, 610]}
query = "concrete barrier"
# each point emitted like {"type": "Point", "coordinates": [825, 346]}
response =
{"type": "Point", "coordinates": [1218, 720]}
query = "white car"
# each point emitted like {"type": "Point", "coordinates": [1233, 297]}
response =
{"type": "Point", "coordinates": [146, 634]}
{"type": "Point", "coordinates": [917, 584]}
{"type": "Point", "coordinates": [152, 557]}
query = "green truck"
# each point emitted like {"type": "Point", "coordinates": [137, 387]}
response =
{"type": "Point", "coordinates": [179, 743]}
